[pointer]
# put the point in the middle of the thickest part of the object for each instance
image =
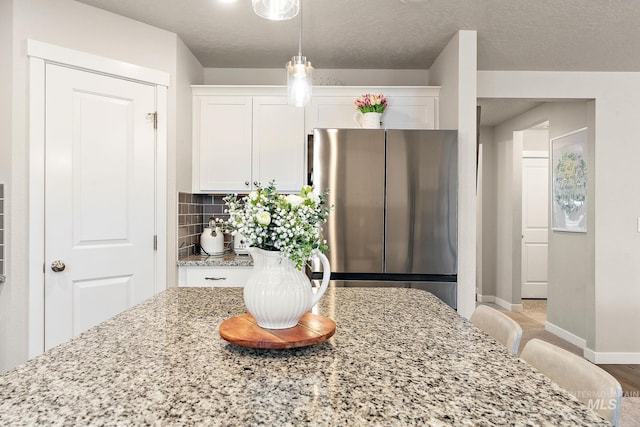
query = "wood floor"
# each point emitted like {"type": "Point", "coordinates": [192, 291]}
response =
{"type": "Point", "coordinates": [532, 321]}
{"type": "Point", "coordinates": [628, 376]}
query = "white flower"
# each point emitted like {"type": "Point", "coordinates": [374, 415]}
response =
{"type": "Point", "coordinates": [294, 199]}
{"type": "Point", "coordinates": [263, 218]}
{"type": "Point", "coordinates": [291, 224]}
{"type": "Point", "coordinates": [314, 198]}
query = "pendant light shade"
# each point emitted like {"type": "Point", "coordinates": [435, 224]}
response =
{"type": "Point", "coordinates": [299, 81]}
{"type": "Point", "coordinates": [299, 75]}
{"type": "Point", "coordinates": [276, 10]}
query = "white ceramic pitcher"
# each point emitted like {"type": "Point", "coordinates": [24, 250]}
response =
{"type": "Point", "coordinates": [367, 120]}
{"type": "Point", "coordinates": [277, 294]}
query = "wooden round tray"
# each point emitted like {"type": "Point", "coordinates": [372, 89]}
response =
{"type": "Point", "coordinates": [243, 330]}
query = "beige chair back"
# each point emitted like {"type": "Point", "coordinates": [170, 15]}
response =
{"type": "Point", "coordinates": [500, 326]}
{"type": "Point", "coordinates": [586, 381]}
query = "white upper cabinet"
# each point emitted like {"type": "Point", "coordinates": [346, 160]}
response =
{"type": "Point", "coordinates": [222, 135]}
{"type": "Point", "coordinates": [244, 136]}
{"type": "Point", "coordinates": [410, 107]}
{"type": "Point", "coordinates": [249, 135]}
{"type": "Point", "coordinates": [278, 143]}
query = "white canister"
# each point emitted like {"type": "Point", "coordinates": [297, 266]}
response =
{"type": "Point", "coordinates": [212, 241]}
{"type": "Point", "coordinates": [240, 246]}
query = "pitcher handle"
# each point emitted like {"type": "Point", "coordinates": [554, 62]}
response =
{"type": "Point", "coordinates": [358, 117]}
{"type": "Point", "coordinates": [326, 275]}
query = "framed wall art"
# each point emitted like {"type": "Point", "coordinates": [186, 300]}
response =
{"type": "Point", "coordinates": [569, 182]}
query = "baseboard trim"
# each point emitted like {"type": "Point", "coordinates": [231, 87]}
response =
{"type": "Point", "coordinates": [598, 357]}
{"type": "Point", "coordinates": [565, 335]}
{"type": "Point", "coordinates": [508, 306]}
{"type": "Point", "coordinates": [612, 358]}
{"type": "Point", "coordinates": [485, 298]}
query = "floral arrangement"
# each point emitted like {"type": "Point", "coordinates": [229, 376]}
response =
{"type": "Point", "coordinates": [271, 221]}
{"type": "Point", "coordinates": [369, 103]}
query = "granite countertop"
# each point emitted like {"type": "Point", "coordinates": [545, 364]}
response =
{"type": "Point", "coordinates": [229, 259]}
{"type": "Point", "coordinates": [399, 357]}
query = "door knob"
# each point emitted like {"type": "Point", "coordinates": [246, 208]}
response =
{"type": "Point", "coordinates": [57, 266]}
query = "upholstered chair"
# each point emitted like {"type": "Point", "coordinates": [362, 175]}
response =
{"type": "Point", "coordinates": [586, 381]}
{"type": "Point", "coordinates": [500, 326]}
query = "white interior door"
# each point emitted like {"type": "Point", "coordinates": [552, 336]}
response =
{"type": "Point", "coordinates": [535, 227]}
{"type": "Point", "coordinates": [99, 199]}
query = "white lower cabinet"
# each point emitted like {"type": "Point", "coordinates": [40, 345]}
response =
{"type": "Point", "coordinates": [213, 276]}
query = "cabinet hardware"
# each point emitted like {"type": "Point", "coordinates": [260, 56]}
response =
{"type": "Point", "coordinates": [215, 278]}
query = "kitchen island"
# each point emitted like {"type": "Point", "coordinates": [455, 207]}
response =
{"type": "Point", "coordinates": [398, 357]}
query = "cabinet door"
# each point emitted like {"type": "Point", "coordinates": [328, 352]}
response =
{"type": "Point", "coordinates": [411, 112]}
{"type": "Point", "coordinates": [332, 112]}
{"type": "Point", "coordinates": [278, 143]}
{"type": "Point", "coordinates": [404, 112]}
{"type": "Point", "coordinates": [222, 148]}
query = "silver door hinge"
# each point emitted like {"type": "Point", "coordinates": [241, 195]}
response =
{"type": "Point", "coordinates": [154, 116]}
{"type": "Point", "coordinates": [155, 243]}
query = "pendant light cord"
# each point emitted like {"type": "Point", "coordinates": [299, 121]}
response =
{"type": "Point", "coordinates": [300, 35]}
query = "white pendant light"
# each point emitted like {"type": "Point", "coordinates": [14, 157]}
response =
{"type": "Point", "coordinates": [299, 81]}
{"type": "Point", "coordinates": [276, 10]}
{"type": "Point", "coordinates": [299, 76]}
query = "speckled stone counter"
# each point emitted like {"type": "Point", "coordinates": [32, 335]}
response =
{"type": "Point", "coordinates": [226, 260]}
{"type": "Point", "coordinates": [399, 357]}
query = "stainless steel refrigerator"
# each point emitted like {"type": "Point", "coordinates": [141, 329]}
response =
{"type": "Point", "coordinates": [394, 221]}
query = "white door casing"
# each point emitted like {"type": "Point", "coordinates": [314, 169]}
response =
{"type": "Point", "coordinates": [40, 55]}
{"type": "Point", "coordinates": [535, 226]}
{"type": "Point", "coordinates": [99, 198]}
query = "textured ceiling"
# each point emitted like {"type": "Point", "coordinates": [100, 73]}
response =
{"type": "Point", "coordinates": [576, 35]}
{"type": "Point", "coordinates": [536, 35]}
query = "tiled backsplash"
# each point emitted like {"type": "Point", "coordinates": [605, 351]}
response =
{"type": "Point", "coordinates": [1, 230]}
{"type": "Point", "coordinates": [194, 211]}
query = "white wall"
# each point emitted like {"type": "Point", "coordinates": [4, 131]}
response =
{"type": "Point", "coordinates": [486, 247]}
{"type": "Point", "coordinates": [535, 140]}
{"type": "Point", "coordinates": [8, 317]}
{"type": "Point", "coordinates": [612, 300]}
{"type": "Point", "coordinates": [77, 26]}
{"type": "Point", "coordinates": [455, 70]}
{"type": "Point", "coordinates": [188, 71]}
{"type": "Point", "coordinates": [321, 77]}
